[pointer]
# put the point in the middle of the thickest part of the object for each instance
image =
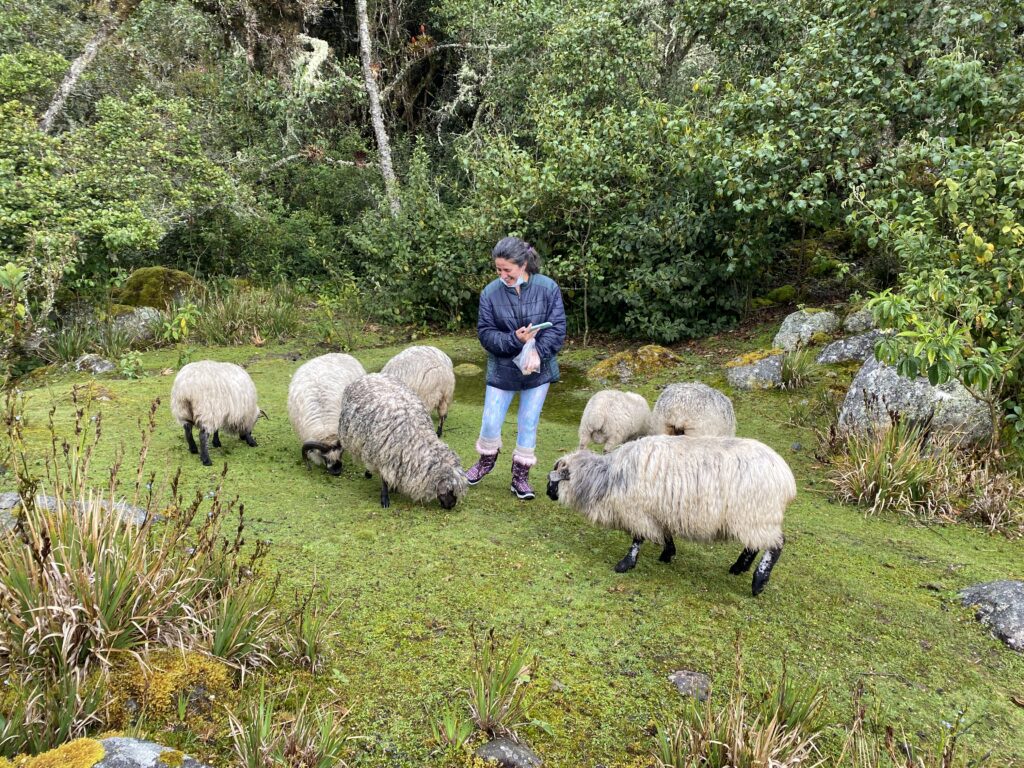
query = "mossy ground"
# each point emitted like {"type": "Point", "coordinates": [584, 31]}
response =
{"type": "Point", "coordinates": [854, 601]}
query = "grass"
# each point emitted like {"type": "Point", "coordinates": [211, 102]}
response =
{"type": "Point", "coordinates": [855, 601]}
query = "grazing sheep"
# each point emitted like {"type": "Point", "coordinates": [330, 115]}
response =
{"type": "Point", "coordinates": [429, 373]}
{"type": "Point", "coordinates": [314, 405]}
{"type": "Point", "coordinates": [214, 396]}
{"type": "Point", "coordinates": [386, 426]}
{"type": "Point", "coordinates": [695, 410]}
{"type": "Point", "coordinates": [700, 488]}
{"type": "Point", "coordinates": [612, 418]}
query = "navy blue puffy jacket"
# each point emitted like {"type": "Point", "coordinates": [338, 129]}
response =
{"type": "Point", "coordinates": [502, 311]}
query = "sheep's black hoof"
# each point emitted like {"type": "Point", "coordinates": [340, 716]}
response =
{"type": "Point", "coordinates": [193, 449]}
{"type": "Point", "coordinates": [216, 439]}
{"type": "Point", "coordinates": [625, 564]}
{"type": "Point", "coordinates": [763, 571]}
{"type": "Point", "coordinates": [668, 552]}
{"type": "Point", "coordinates": [250, 441]}
{"type": "Point", "coordinates": [368, 474]}
{"type": "Point", "coordinates": [742, 564]}
{"type": "Point", "coordinates": [207, 463]}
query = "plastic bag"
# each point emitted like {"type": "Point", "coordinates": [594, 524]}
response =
{"type": "Point", "coordinates": [528, 359]}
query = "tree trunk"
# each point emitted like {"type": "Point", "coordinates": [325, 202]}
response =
{"type": "Point", "coordinates": [376, 115]}
{"type": "Point", "coordinates": [79, 66]}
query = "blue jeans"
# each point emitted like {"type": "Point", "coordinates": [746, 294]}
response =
{"type": "Point", "coordinates": [496, 403]}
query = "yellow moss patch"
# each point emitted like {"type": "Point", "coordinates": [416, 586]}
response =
{"type": "Point", "coordinates": [170, 679]}
{"type": "Point", "coordinates": [753, 357]}
{"type": "Point", "coordinates": [80, 753]}
{"type": "Point", "coordinates": [646, 360]}
{"type": "Point", "coordinates": [172, 758]}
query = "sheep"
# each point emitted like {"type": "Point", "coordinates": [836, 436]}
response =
{"type": "Point", "coordinates": [429, 373]}
{"type": "Point", "coordinates": [386, 426]}
{"type": "Point", "coordinates": [314, 405]}
{"type": "Point", "coordinates": [612, 418]}
{"type": "Point", "coordinates": [695, 410]}
{"type": "Point", "coordinates": [700, 488]}
{"type": "Point", "coordinates": [214, 396]}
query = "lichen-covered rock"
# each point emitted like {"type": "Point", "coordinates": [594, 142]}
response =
{"type": "Point", "coordinates": [750, 372]}
{"type": "Point", "coordinates": [622, 367]}
{"type": "Point", "coordinates": [94, 364]}
{"type": "Point", "coordinates": [859, 322]}
{"type": "Point", "coordinates": [80, 753]}
{"type": "Point", "coordinates": [508, 754]}
{"type": "Point", "coordinates": [688, 683]}
{"type": "Point", "coordinates": [156, 287]}
{"type": "Point", "coordinates": [141, 323]}
{"type": "Point", "coordinates": [124, 752]}
{"type": "Point", "coordinates": [1000, 606]}
{"type": "Point", "coordinates": [878, 392]}
{"type": "Point", "coordinates": [804, 327]}
{"type": "Point", "coordinates": [854, 348]}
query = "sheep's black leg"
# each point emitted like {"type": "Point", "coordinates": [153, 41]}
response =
{"type": "Point", "coordinates": [742, 564]}
{"type": "Point", "coordinates": [628, 563]}
{"type": "Point", "coordinates": [248, 438]}
{"type": "Point", "coordinates": [216, 438]}
{"type": "Point", "coordinates": [440, 426]}
{"type": "Point", "coordinates": [385, 500]}
{"type": "Point", "coordinates": [764, 568]}
{"type": "Point", "coordinates": [669, 551]}
{"type": "Point", "coordinates": [189, 439]}
{"type": "Point", "coordinates": [204, 450]}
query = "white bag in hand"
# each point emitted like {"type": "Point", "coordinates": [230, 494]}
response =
{"type": "Point", "coordinates": [528, 360]}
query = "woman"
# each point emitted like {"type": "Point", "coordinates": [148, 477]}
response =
{"type": "Point", "coordinates": [510, 306]}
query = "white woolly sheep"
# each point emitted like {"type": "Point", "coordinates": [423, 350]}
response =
{"type": "Point", "coordinates": [386, 426]}
{"type": "Point", "coordinates": [214, 396]}
{"type": "Point", "coordinates": [429, 373]}
{"type": "Point", "coordinates": [314, 405]}
{"type": "Point", "coordinates": [612, 418]}
{"type": "Point", "coordinates": [695, 410]}
{"type": "Point", "coordinates": [699, 488]}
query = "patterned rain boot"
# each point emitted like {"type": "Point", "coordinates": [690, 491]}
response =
{"type": "Point", "coordinates": [520, 480]}
{"type": "Point", "coordinates": [486, 463]}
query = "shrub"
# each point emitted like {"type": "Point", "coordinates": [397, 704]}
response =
{"type": "Point", "coordinates": [497, 685]}
{"type": "Point", "coordinates": [799, 369]}
{"type": "Point", "coordinates": [69, 343]}
{"type": "Point", "coordinates": [246, 315]}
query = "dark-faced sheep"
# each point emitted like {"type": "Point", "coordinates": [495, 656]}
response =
{"type": "Point", "coordinates": [429, 373]}
{"type": "Point", "coordinates": [693, 409]}
{"type": "Point", "coordinates": [698, 488]}
{"type": "Point", "coordinates": [387, 427]}
{"type": "Point", "coordinates": [314, 405]}
{"type": "Point", "coordinates": [214, 396]}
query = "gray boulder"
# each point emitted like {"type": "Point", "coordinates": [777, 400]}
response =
{"type": "Point", "coordinates": [859, 322]}
{"type": "Point", "coordinates": [854, 348]}
{"type": "Point", "coordinates": [761, 374]}
{"type": "Point", "coordinates": [688, 683]}
{"type": "Point", "coordinates": [799, 328]}
{"type": "Point", "coordinates": [127, 512]}
{"type": "Point", "coordinates": [1000, 606]}
{"type": "Point", "coordinates": [94, 364]}
{"type": "Point", "coordinates": [508, 754]}
{"type": "Point", "coordinates": [124, 752]}
{"type": "Point", "coordinates": [878, 391]}
{"type": "Point", "coordinates": [141, 323]}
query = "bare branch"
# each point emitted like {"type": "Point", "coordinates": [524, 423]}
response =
{"type": "Point", "coordinates": [376, 115]}
{"type": "Point", "coordinates": [78, 66]}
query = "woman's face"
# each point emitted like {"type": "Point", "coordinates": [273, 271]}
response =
{"type": "Point", "coordinates": [509, 271]}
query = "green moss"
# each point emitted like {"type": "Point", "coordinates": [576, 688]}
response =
{"type": "Point", "coordinates": [80, 753]}
{"type": "Point", "coordinates": [781, 295]}
{"type": "Point", "coordinates": [753, 357]}
{"type": "Point", "coordinates": [155, 287]}
{"type": "Point", "coordinates": [820, 337]}
{"type": "Point", "coordinates": [170, 677]}
{"type": "Point", "coordinates": [117, 310]}
{"type": "Point", "coordinates": [172, 758]}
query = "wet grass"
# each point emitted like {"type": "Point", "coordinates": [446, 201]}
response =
{"type": "Point", "coordinates": [855, 601]}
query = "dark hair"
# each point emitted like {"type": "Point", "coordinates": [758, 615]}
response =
{"type": "Point", "coordinates": [519, 252]}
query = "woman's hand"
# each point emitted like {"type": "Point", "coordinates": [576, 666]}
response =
{"type": "Point", "coordinates": [525, 333]}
